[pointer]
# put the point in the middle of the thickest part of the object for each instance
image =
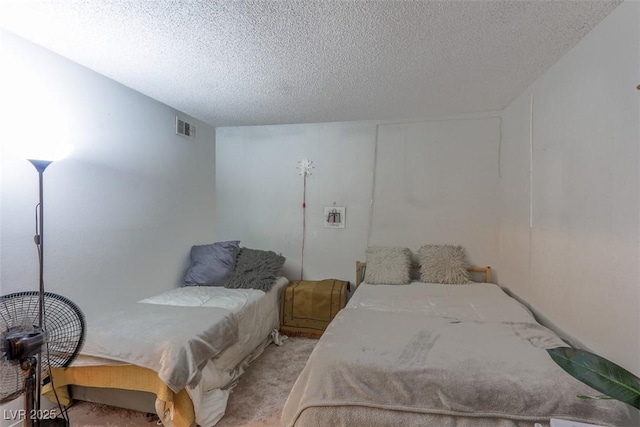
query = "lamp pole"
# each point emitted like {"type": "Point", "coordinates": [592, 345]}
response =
{"type": "Point", "coordinates": [40, 166]}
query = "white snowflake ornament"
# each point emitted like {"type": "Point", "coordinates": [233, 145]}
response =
{"type": "Point", "coordinates": [305, 167]}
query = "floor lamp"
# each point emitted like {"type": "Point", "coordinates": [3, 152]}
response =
{"type": "Point", "coordinates": [33, 399]}
{"type": "Point", "coordinates": [40, 166]}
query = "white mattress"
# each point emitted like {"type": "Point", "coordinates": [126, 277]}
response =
{"type": "Point", "coordinates": [257, 315]}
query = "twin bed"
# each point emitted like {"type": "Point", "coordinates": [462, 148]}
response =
{"type": "Point", "coordinates": [180, 353]}
{"type": "Point", "coordinates": [432, 354]}
{"type": "Point", "coordinates": [177, 354]}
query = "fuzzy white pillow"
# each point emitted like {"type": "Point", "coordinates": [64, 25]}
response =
{"type": "Point", "coordinates": [387, 265]}
{"type": "Point", "coordinates": [443, 264]}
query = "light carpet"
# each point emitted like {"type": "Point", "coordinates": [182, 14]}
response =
{"type": "Point", "coordinates": [257, 400]}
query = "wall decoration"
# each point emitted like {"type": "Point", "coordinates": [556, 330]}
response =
{"type": "Point", "coordinates": [305, 167]}
{"type": "Point", "coordinates": [335, 216]}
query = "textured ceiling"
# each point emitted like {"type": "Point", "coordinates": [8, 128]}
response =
{"type": "Point", "coordinates": [266, 62]}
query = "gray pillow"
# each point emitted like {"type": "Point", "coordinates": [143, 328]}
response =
{"type": "Point", "coordinates": [255, 269]}
{"type": "Point", "coordinates": [443, 264]}
{"type": "Point", "coordinates": [212, 264]}
{"type": "Point", "coordinates": [387, 265]}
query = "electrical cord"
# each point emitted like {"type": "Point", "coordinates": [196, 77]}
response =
{"type": "Point", "coordinates": [61, 408]}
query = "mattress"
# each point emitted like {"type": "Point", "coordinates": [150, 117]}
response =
{"type": "Point", "coordinates": [446, 355]}
{"type": "Point", "coordinates": [256, 315]}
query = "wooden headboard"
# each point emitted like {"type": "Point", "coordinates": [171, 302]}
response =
{"type": "Point", "coordinates": [361, 267]}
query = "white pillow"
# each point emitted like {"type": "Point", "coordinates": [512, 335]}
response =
{"type": "Point", "coordinates": [387, 265]}
{"type": "Point", "coordinates": [443, 264]}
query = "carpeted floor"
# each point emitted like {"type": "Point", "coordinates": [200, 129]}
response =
{"type": "Point", "coordinates": [256, 401]}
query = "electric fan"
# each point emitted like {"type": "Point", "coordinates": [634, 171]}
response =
{"type": "Point", "coordinates": [57, 342]}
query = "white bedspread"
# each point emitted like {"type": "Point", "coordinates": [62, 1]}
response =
{"type": "Point", "coordinates": [256, 314]}
{"type": "Point", "coordinates": [174, 341]}
{"type": "Point", "coordinates": [207, 296]}
{"type": "Point", "coordinates": [476, 302]}
{"type": "Point", "coordinates": [427, 354]}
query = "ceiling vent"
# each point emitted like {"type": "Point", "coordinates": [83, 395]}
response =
{"type": "Point", "coordinates": [185, 128]}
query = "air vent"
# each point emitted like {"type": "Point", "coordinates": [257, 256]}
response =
{"type": "Point", "coordinates": [185, 128]}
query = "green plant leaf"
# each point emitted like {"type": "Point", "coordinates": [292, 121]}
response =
{"type": "Point", "coordinates": [599, 373]}
{"type": "Point", "coordinates": [582, 396]}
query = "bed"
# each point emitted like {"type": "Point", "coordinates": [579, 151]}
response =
{"type": "Point", "coordinates": [180, 353]}
{"type": "Point", "coordinates": [432, 354]}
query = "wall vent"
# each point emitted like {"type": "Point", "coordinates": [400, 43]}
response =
{"type": "Point", "coordinates": [185, 128]}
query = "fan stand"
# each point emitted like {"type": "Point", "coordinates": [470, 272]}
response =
{"type": "Point", "coordinates": [28, 366]}
{"type": "Point", "coordinates": [33, 417]}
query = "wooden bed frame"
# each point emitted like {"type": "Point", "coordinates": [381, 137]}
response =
{"type": "Point", "coordinates": [361, 266]}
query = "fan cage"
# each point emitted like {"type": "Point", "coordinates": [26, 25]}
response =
{"type": "Point", "coordinates": [63, 325]}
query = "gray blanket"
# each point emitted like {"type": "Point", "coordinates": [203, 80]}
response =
{"type": "Point", "coordinates": [174, 341]}
{"type": "Point", "coordinates": [406, 366]}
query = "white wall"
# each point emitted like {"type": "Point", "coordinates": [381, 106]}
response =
{"type": "Point", "coordinates": [437, 182]}
{"type": "Point", "coordinates": [579, 262]}
{"type": "Point", "coordinates": [259, 190]}
{"type": "Point", "coordinates": [122, 211]}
